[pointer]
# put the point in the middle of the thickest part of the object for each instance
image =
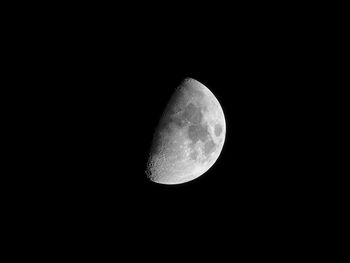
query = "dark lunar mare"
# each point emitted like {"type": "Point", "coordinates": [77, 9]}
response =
{"type": "Point", "coordinates": [209, 147]}
{"type": "Point", "coordinates": [192, 114]}
{"type": "Point", "coordinates": [218, 129]}
{"type": "Point", "coordinates": [198, 132]}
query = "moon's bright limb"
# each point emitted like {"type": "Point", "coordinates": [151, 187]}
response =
{"type": "Point", "coordinates": [177, 157]}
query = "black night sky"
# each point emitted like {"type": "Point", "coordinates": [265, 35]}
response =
{"type": "Point", "coordinates": [110, 84]}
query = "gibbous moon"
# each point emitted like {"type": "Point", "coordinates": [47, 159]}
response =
{"type": "Point", "coordinates": [189, 137]}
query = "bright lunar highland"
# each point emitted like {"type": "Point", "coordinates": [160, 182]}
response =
{"type": "Point", "coordinates": [189, 137]}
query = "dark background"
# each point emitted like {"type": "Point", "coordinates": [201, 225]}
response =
{"type": "Point", "coordinates": [117, 85]}
{"type": "Point", "coordinates": [101, 82]}
{"type": "Point", "coordinates": [116, 89]}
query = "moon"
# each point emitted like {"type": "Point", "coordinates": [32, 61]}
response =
{"type": "Point", "coordinates": [189, 137]}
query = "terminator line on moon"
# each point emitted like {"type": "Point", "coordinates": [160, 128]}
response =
{"type": "Point", "coordinates": [189, 137]}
